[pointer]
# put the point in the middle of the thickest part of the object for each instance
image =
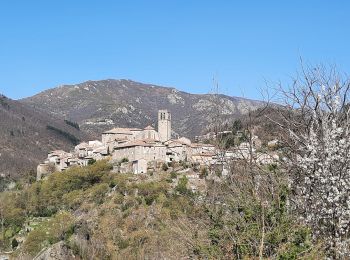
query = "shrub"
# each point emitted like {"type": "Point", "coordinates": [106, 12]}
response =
{"type": "Point", "coordinates": [58, 228]}
{"type": "Point", "coordinates": [182, 186]}
{"type": "Point", "coordinates": [74, 140]}
{"type": "Point", "coordinates": [165, 167]}
{"type": "Point", "coordinates": [124, 160]}
{"type": "Point", "coordinates": [72, 124]}
{"type": "Point", "coordinates": [173, 175]}
{"type": "Point", "coordinates": [46, 196]}
{"type": "Point", "coordinates": [204, 173]}
{"type": "Point", "coordinates": [98, 192]}
{"type": "Point", "coordinates": [91, 161]}
{"type": "Point", "coordinates": [14, 243]}
{"type": "Point", "coordinates": [151, 190]}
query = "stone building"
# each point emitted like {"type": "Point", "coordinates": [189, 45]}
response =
{"type": "Point", "coordinates": [164, 125]}
{"type": "Point", "coordinates": [137, 148]}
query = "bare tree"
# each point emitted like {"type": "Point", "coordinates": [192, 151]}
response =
{"type": "Point", "coordinates": [315, 124]}
{"type": "Point", "coordinates": [248, 180]}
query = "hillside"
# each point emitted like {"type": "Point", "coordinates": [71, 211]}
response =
{"type": "Point", "coordinates": [100, 105]}
{"type": "Point", "coordinates": [27, 135]}
{"type": "Point", "coordinates": [90, 213]}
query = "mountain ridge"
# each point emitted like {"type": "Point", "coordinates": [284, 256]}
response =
{"type": "Point", "coordinates": [28, 134]}
{"type": "Point", "coordinates": [102, 104]}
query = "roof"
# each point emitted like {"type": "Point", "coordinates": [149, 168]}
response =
{"type": "Point", "coordinates": [204, 154]}
{"type": "Point", "coordinates": [132, 144]}
{"type": "Point", "coordinates": [194, 145]}
{"type": "Point", "coordinates": [135, 129]}
{"type": "Point", "coordinates": [118, 139]}
{"type": "Point", "coordinates": [149, 128]}
{"type": "Point", "coordinates": [149, 140]}
{"type": "Point", "coordinates": [174, 143]}
{"type": "Point", "coordinates": [119, 130]}
{"type": "Point", "coordinates": [182, 140]}
{"type": "Point", "coordinates": [144, 142]}
{"type": "Point", "coordinates": [81, 145]}
{"type": "Point", "coordinates": [57, 152]}
{"type": "Point", "coordinates": [95, 142]}
{"type": "Point", "coordinates": [102, 150]}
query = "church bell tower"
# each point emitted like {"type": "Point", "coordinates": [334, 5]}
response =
{"type": "Point", "coordinates": [164, 125]}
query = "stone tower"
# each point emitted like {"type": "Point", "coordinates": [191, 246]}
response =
{"type": "Point", "coordinates": [164, 125]}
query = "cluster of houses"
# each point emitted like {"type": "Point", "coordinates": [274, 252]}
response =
{"type": "Point", "coordinates": [132, 149]}
{"type": "Point", "coordinates": [142, 150]}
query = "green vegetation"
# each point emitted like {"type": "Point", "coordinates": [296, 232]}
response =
{"type": "Point", "coordinates": [59, 227]}
{"type": "Point", "coordinates": [74, 140]}
{"type": "Point", "coordinates": [203, 173]}
{"type": "Point", "coordinates": [123, 216]}
{"type": "Point", "coordinates": [124, 160]}
{"type": "Point", "coordinates": [165, 167]}
{"type": "Point", "coordinates": [4, 103]}
{"type": "Point", "coordinates": [72, 124]}
{"type": "Point", "coordinates": [91, 161]}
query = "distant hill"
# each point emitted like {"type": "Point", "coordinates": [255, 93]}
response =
{"type": "Point", "coordinates": [101, 105]}
{"type": "Point", "coordinates": [27, 135]}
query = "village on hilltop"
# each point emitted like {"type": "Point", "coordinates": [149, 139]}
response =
{"type": "Point", "coordinates": [146, 150]}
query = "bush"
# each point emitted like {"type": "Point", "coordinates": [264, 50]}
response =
{"type": "Point", "coordinates": [14, 243]}
{"type": "Point", "coordinates": [165, 167]}
{"type": "Point", "coordinates": [72, 124]}
{"type": "Point", "coordinates": [60, 227]}
{"type": "Point", "coordinates": [173, 175]}
{"type": "Point", "coordinates": [204, 173]}
{"type": "Point", "coordinates": [124, 160]}
{"type": "Point", "coordinates": [151, 190]}
{"type": "Point", "coordinates": [91, 161]}
{"type": "Point", "coordinates": [98, 192]}
{"type": "Point", "coordinates": [74, 140]}
{"type": "Point", "coordinates": [46, 196]}
{"type": "Point", "coordinates": [182, 186]}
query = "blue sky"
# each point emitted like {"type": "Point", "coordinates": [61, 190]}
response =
{"type": "Point", "coordinates": [182, 44]}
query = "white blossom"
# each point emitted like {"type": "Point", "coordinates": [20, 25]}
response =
{"type": "Point", "coordinates": [323, 162]}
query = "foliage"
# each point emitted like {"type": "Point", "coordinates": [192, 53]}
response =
{"type": "Point", "coordinates": [173, 175]}
{"type": "Point", "coordinates": [59, 227]}
{"type": "Point", "coordinates": [165, 167]}
{"type": "Point", "coordinates": [124, 160]}
{"type": "Point", "coordinates": [91, 161]}
{"type": "Point", "coordinates": [203, 173]}
{"type": "Point", "coordinates": [181, 187]}
{"type": "Point", "coordinates": [72, 124]}
{"type": "Point", "coordinates": [237, 126]}
{"type": "Point", "coordinates": [102, 215]}
{"type": "Point", "coordinates": [73, 139]}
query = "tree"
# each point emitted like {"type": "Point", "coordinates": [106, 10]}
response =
{"type": "Point", "coordinates": [315, 120]}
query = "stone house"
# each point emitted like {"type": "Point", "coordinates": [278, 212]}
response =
{"type": "Point", "coordinates": [140, 166]}
{"type": "Point", "coordinates": [141, 147]}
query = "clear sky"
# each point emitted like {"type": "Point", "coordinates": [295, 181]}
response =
{"type": "Point", "coordinates": [181, 44]}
